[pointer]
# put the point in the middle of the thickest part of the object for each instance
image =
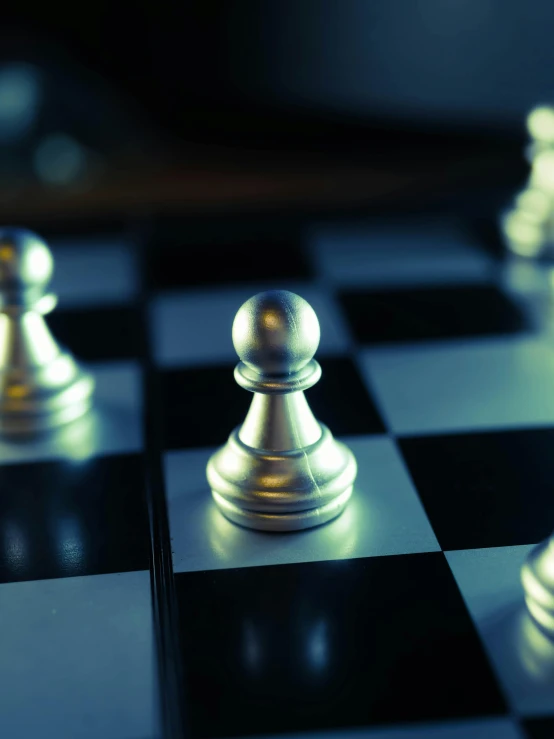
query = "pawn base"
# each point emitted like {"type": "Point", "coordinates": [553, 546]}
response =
{"type": "Point", "coordinates": [537, 576]}
{"type": "Point", "coordinates": [282, 491]}
{"type": "Point", "coordinates": [283, 521]}
{"type": "Point", "coordinates": [45, 399]}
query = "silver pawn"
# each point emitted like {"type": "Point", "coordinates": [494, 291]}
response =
{"type": "Point", "coordinates": [281, 470]}
{"type": "Point", "coordinates": [537, 576]}
{"type": "Point", "coordinates": [41, 385]}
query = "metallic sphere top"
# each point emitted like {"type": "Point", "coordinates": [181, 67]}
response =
{"type": "Point", "coordinates": [276, 332]}
{"type": "Point", "coordinates": [25, 260]}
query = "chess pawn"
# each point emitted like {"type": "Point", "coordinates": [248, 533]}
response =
{"type": "Point", "coordinates": [281, 470]}
{"type": "Point", "coordinates": [537, 576]}
{"type": "Point", "coordinates": [528, 225]}
{"type": "Point", "coordinates": [41, 385]}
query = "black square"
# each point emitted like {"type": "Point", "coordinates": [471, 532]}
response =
{"type": "Point", "coordinates": [64, 519]}
{"type": "Point", "coordinates": [485, 490]}
{"type": "Point", "coordinates": [540, 728]}
{"type": "Point", "coordinates": [306, 647]}
{"type": "Point", "coordinates": [380, 317]}
{"type": "Point", "coordinates": [224, 256]}
{"type": "Point", "coordinates": [98, 334]}
{"type": "Point", "coordinates": [485, 234]}
{"type": "Point", "coordinates": [202, 405]}
{"type": "Point", "coordinates": [78, 228]}
{"type": "Point", "coordinates": [341, 401]}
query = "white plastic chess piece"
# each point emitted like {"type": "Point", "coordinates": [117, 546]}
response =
{"type": "Point", "coordinates": [41, 385]}
{"type": "Point", "coordinates": [281, 470]}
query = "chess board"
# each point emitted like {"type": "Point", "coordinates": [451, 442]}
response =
{"type": "Point", "coordinates": [131, 609]}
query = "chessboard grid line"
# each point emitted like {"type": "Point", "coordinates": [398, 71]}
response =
{"type": "Point", "coordinates": [170, 680]}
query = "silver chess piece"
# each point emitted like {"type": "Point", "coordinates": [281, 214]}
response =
{"type": "Point", "coordinates": [528, 225]}
{"type": "Point", "coordinates": [41, 385]}
{"type": "Point", "coordinates": [537, 576]}
{"type": "Point", "coordinates": [281, 470]}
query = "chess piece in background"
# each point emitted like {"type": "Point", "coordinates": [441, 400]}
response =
{"type": "Point", "coordinates": [41, 385]}
{"type": "Point", "coordinates": [537, 576]}
{"type": "Point", "coordinates": [528, 226]}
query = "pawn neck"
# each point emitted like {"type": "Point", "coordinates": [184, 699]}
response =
{"type": "Point", "coordinates": [280, 423]}
{"type": "Point", "coordinates": [33, 299]}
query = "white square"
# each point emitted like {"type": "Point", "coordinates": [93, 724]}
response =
{"type": "Point", "coordinates": [384, 517]}
{"type": "Point", "coordinates": [463, 385]}
{"type": "Point", "coordinates": [523, 658]}
{"type": "Point", "coordinates": [114, 425]}
{"type": "Point", "coordinates": [400, 254]}
{"type": "Point", "coordinates": [78, 658]}
{"type": "Point", "coordinates": [194, 327]}
{"type": "Point", "coordinates": [94, 272]}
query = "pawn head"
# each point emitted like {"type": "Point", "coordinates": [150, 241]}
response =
{"type": "Point", "coordinates": [276, 332]}
{"type": "Point", "coordinates": [540, 124]}
{"type": "Point", "coordinates": [25, 260]}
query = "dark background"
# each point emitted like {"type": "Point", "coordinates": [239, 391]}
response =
{"type": "Point", "coordinates": [420, 87]}
{"type": "Point", "coordinates": [458, 62]}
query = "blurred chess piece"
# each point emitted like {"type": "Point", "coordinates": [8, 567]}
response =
{"type": "Point", "coordinates": [537, 576]}
{"type": "Point", "coordinates": [41, 385]}
{"type": "Point", "coordinates": [535, 650]}
{"type": "Point", "coordinates": [528, 227]}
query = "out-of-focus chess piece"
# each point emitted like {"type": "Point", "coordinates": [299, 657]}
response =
{"type": "Point", "coordinates": [528, 226]}
{"type": "Point", "coordinates": [537, 576]}
{"type": "Point", "coordinates": [535, 650]}
{"type": "Point", "coordinates": [41, 385]}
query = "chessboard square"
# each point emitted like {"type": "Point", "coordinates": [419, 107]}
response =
{"type": "Point", "coordinates": [200, 406]}
{"type": "Point", "coordinates": [194, 328]}
{"type": "Point", "coordinates": [94, 271]}
{"type": "Point", "coordinates": [82, 651]}
{"type": "Point", "coordinates": [522, 656]}
{"type": "Point", "coordinates": [245, 259]}
{"type": "Point", "coordinates": [485, 490]}
{"type": "Point", "coordinates": [118, 385]}
{"type": "Point", "coordinates": [96, 334]}
{"type": "Point", "coordinates": [489, 384]}
{"type": "Point", "coordinates": [117, 412]}
{"type": "Point", "coordinates": [403, 254]}
{"type": "Point", "coordinates": [383, 517]}
{"type": "Point", "coordinates": [539, 728]}
{"type": "Point", "coordinates": [357, 642]}
{"type": "Point", "coordinates": [422, 314]}
{"type": "Point", "coordinates": [211, 397]}
{"type": "Point", "coordinates": [342, 400]}
{"type": "Point", "coordinates": [62, 519]}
